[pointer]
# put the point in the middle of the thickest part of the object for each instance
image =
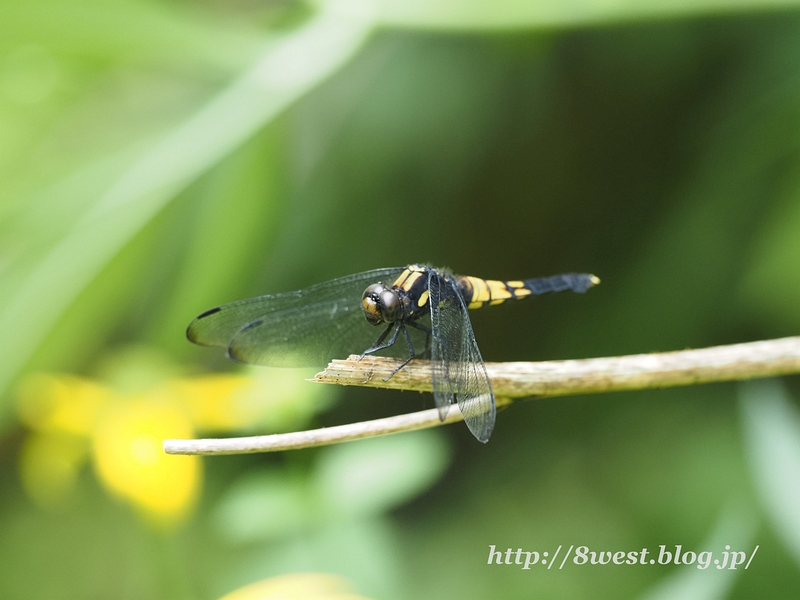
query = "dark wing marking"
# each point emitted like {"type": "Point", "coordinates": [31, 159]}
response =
{"type": "Point", "coordinates": [458, 369]}
{"type": "Point", "coordinates": [302, 328]}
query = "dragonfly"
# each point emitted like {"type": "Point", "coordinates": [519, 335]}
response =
{"type": "Point", "coordinates": [425, 305]}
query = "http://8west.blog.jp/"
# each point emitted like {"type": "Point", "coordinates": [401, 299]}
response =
{"type": "Point", "coordinates": [427, 306]}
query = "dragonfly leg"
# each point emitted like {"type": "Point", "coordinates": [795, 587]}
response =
{"type": "Point", "coordinates": [411, 353]}
{"type": "Point", "coordinates": [397, 327]}
{"type": "Point", "coordinates": [379, 345]}
{"type": "Point", "coordinates": [427, 331]}
{"type": "Point", "coordinates": [420, 326]}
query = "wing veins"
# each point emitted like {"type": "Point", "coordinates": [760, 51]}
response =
{"type": "Point", "coordinates": [458, 369]}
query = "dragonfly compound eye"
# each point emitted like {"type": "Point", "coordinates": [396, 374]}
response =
{"type": "Point", "coordinates": [391, 308]}
{"type": "Point", "coordinates": [370, 303]}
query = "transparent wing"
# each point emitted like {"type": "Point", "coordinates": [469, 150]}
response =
{"type": "Point", "coordinates": [303, 328]}
{"type": "Point", "coordinates": [458, 369]}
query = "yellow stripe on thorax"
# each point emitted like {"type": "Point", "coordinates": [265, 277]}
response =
{"type": "Point", "coordinates": [423, 299]}
{"type": "Point", "coordinates": [407, 278]}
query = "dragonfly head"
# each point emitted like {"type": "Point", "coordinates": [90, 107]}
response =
{"type": "Point", "coordinates": [381, 305]}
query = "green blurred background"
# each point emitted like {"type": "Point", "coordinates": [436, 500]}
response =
{"type": "Point", "coordinates": [161, 158]}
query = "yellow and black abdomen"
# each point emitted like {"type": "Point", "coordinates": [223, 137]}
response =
{"type": "Point", "coordinates": [478, 292]}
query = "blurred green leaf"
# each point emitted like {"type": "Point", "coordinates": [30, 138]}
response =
{"type": "Point", "coordinates": [734, 529]}
{"type": "Point", "coordinates": [364, 551]}
{"type": "Point", "coordinates": [478, 15]}
{"type": "Point", "coordinates": [737, 154]}
{"type": "Point", "coordinates": [144, 33]}
{"type": "Point", "coordinates": [261, 506]}
{"type": "Point", "coordinates": [285, 400]}
{"type": "Point", "coordinates": [290, 67]}
{"type": "Point", "coordinates": [233, 213]}
{"type": "Point", "coordinates": [81, 80]}
{"type": "Point", "coordinates": [770, 287]}
{"type": "Point", "coordinates": [362, 479]}
{"type": "Point", "coordinates": [772, 436]}
{"type": "Point", "coordinates": [375, 475]}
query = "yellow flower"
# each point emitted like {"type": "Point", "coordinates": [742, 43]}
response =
{"type": "Point", "coordinates": [122, 427]}
{"type": "Point", "coordinates": [297, 586]}
{"type": "Point", "coordinates": [73, 418]}
{"type": "Point", "coordinates": [63, 403]}
{"type": "Point", "coordinates": [130, 462]}
{"type": "Point", "coordinates": [271, 399]}
{"type": "Point", "coordinates": [62, 411]}
{"type": "Point", "coordinates": [49, 466]}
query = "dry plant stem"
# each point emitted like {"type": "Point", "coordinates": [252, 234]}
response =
{"type": "Point", "coordinates": [315, 437]}
{"type": "Point", "coordinates": [519, 380]}
{"type": "Point", "coordinates": [591, 375]}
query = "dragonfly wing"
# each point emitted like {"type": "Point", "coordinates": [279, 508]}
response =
{"type": "Point", "coordinates": [458, 369]}
{"type": "Point", "coordinates": [302, 328]}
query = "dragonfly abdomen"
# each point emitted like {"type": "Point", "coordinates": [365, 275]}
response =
{"type": "Point", "coordinates": [478, 292]}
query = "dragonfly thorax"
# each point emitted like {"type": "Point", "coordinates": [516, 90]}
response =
{"type": "Point", "coordinates": [381, 305]}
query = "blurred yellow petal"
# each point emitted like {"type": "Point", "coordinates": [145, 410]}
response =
{"type": "Point", "coordinates": [61, 403]}
{"type": "Point", "coordinates": [273, 399]}
{"type": "Point", "coordinates": [215, 401]}
{"type": "Point", "coordinates": [49, 465]}
{"type": "Point", "coordinates": [130, 462]}
{"type": "Point", "coordinates": [297, 586]}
